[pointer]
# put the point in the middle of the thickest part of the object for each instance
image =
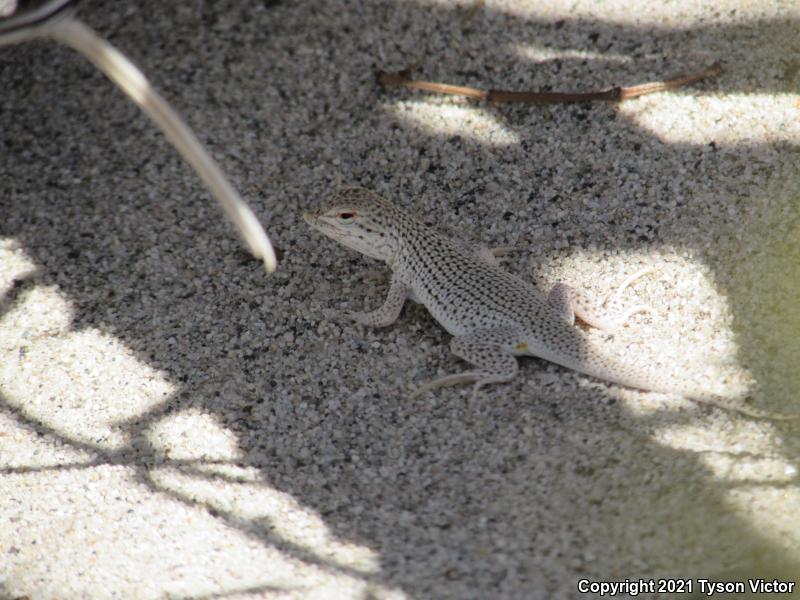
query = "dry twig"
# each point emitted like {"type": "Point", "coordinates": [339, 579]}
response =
{"type": "Point", "coordinates": [614, 94]}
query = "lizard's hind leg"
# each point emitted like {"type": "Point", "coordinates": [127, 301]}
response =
{"type": "Point", "coordinates": [571, 303]}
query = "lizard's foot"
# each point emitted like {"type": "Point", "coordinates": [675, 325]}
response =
{"type": "Point", "coordinates": [478, 377]}
{"type": "Point", "coordinates": [387, 314]}
{"type": "Point", "coordinates": [370, 319]}
{"type": "Point", "coordinates": [503, 251]}
{"type": "Point", "coordinates": [571, 303]}
{"type": "Point", "coordinates": [491, 256]}
{"type": "Point", "coordinates": [446, 381]}
{"type": "Point", "coordinates": [489, 350]}
{"type": "Point", "coordinates": [616, 297]}
{"type": "Point", "coordinates": [348, 316]}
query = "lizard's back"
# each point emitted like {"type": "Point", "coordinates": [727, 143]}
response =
{"type": "Point", "coordinates": [462, 292]}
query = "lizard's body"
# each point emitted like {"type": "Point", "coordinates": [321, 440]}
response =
{"type": "Point", "coordinates": [493, 315]}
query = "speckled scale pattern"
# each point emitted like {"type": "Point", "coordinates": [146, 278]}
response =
{"type": "Point", "coordinates": [492, 314]}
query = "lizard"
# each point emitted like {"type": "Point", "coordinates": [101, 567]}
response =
{"type": "Point", "coordinates": [493, 316]}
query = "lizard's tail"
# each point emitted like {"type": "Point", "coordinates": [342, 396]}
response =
{"type": "Point", "coordinates": [608, 369]}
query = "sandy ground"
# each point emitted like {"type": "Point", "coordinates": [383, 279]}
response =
{"type": "Point", "coordinates": [175, 423]}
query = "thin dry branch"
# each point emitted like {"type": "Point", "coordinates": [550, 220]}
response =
{"type": "Point", "coordinates": [614, 94]}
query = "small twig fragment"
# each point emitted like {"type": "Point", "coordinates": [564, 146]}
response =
{"type": "Point", "coordinates": [614, 94]}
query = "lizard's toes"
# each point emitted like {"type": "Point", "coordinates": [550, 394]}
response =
{"type": "Point", "coordinates": [445, 381]}
{"type": "Point", "coordinates": [352, 315]}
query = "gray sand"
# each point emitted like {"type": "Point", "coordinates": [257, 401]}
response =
{"type": "Point", "coordinates": [176, 423]}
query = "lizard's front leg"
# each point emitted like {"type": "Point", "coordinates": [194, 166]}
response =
{"type": "Point", "coordinates": [388, 313]}
{"type": "Point", "coordinates": [491, 351]}
{"type": "Point", "coordinates": [491, 255]}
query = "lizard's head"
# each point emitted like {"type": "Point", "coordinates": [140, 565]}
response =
{"type": "Point", "coordinates": [358, 219]}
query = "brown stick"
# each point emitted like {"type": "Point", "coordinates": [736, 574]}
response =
{"type": "Point", "coordinates": [615, 94]}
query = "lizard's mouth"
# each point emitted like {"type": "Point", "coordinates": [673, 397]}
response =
{"type": "Point", "coordinates": [321, 224]}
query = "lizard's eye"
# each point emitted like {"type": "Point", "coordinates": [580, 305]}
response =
{"type": "Point", "coordinates": [346, 215]}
